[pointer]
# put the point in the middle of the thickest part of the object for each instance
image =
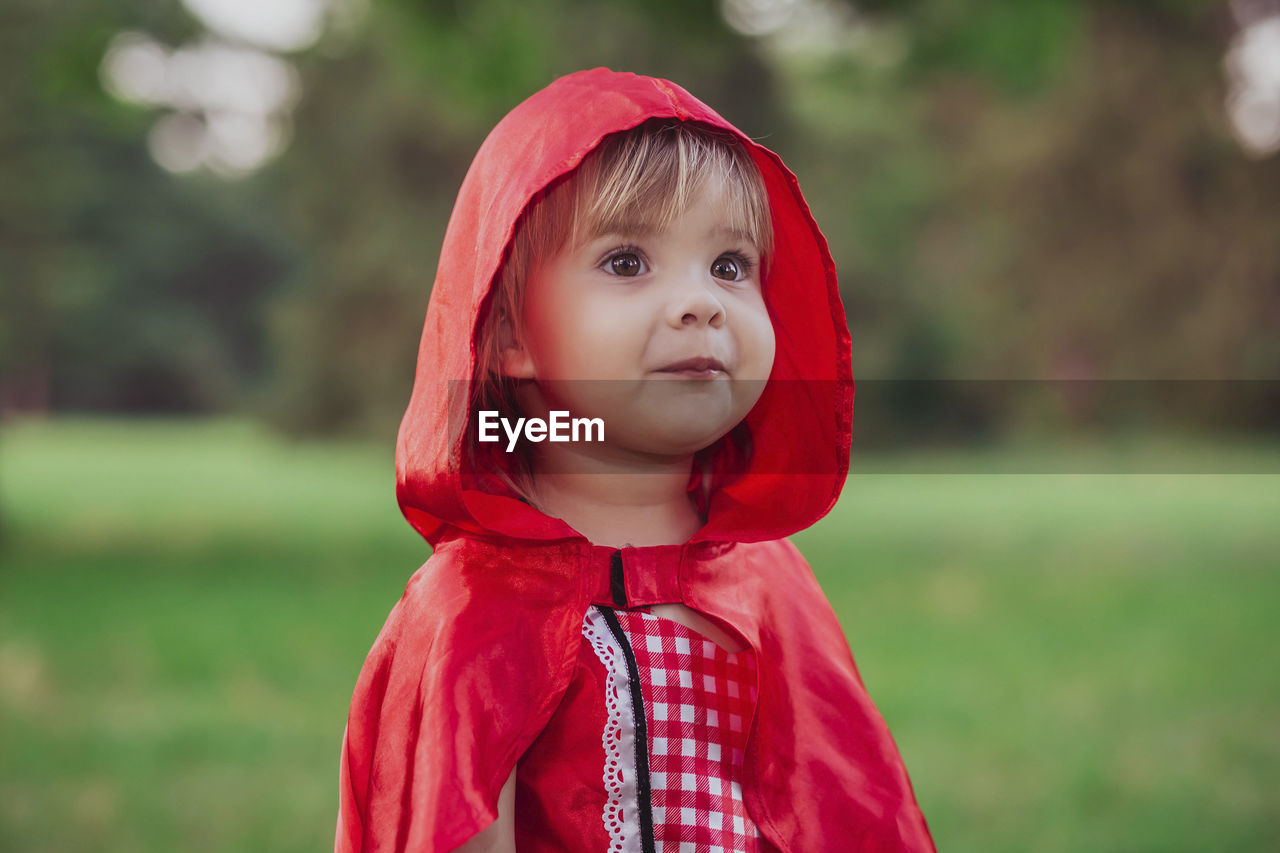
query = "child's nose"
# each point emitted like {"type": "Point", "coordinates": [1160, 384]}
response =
{"type": "Point", "coordinates": [696, 303]}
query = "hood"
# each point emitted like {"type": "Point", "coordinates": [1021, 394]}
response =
{"type": "Point", "coordinates": [800, 427]}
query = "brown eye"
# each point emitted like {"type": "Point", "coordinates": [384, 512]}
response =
{"type": "Point", "coordinates": [726, 268]}
{"type": "Point", "coordinates": [625, 264]}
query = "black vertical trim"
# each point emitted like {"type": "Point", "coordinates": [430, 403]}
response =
{"type": "Point", "coordinates": [617, 583]}
{"type": "Point", "coordinates": [643, 792]}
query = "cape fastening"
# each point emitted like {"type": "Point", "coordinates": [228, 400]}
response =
{"type": "Point", "coordinates": [476, 656]}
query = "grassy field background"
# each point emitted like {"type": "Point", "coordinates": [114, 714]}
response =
{"type": "Point", "coordinates": [1067, 661]}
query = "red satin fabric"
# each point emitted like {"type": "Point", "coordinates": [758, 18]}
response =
{"type": "Point", "coordinates": [483, 647]}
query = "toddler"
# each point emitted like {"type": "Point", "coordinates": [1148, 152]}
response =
{"type": "Point", "coordinates": [633, 383]}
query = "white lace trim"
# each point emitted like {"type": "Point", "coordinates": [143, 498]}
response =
{"type": "Point", "coordinates": [621, 808]}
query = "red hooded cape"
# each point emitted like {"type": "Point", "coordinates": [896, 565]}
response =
{"type": "Point", "coordinates": [477, 654]}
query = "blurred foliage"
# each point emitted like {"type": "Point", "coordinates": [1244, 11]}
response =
{"type": "Point", "coordinates": [122, 287]}
{"type": "Point", "coordinates": [1035, 189]}
{"type": "Point", "coordinates": [1083, 216]}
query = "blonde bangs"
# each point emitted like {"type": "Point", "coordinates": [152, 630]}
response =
{"type": "Point", "coordinates": [644, 179]}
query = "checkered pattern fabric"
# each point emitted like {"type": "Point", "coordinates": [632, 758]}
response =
{"type": "Point", "coordinates": [698, 700]}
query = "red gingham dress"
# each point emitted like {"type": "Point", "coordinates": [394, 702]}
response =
{"type": "Point", "coordinates": [698, 699]}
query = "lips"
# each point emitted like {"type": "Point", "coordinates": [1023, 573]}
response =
{"type": "Point", "coordinates": [698, 366]}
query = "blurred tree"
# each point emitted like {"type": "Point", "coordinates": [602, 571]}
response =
{"type": "Point", "coordinates": [123, 288]}
{"type": "Point", "coordinates": [1113, 228]}
{"type": "Point", "coordinates": [1079, 211]}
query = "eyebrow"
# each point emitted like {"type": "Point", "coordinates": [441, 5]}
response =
{"type": "Point", "coordinates": [626, 229]}
{"type": "Point", "coordinates": [645, 229]}
{"type": "Point", "coordinates": [734, 233]}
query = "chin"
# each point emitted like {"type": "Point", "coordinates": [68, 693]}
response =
{"type": "Point", "coordinates": [681, 420]}
{"type": "Point", "coordinates": [675, 438]}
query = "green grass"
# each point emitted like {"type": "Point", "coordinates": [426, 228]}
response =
{"type": "Point", "coordinates": [1067, 661]}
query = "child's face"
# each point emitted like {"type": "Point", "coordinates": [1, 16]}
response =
{"type": "Point", "coordinates": [625, 309]}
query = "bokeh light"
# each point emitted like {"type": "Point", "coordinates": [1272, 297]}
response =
{"type": "Point", "coordinates": [1253, 69]}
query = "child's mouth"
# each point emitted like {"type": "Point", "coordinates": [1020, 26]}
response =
{"type": "Point", "coordinates": [694, 368]}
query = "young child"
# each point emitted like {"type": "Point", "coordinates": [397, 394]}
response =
{"type": "Point", "coordinates": [612, 647]}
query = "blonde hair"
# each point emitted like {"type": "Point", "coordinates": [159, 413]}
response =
{"type": "Point", "coordinates": [644, 177]}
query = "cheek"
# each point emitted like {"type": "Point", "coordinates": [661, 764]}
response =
{"type": "Point", "coordinates": [576, 337]}
{"type": "Point", "coordinates": [549, 322]}
{"type": "Point", "coordinates": [759, 342]}
{"type": "Point", "coordinates": [769, 345]}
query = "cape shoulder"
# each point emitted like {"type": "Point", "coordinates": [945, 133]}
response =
{"type": "Point", "coordinates": [826, 735]}
{"type": "Point", "coordinates": [466, 671]}
{"type": "Point", "coordinates": [769, 589]}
